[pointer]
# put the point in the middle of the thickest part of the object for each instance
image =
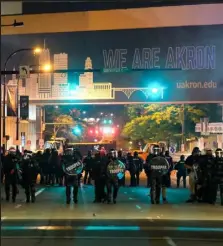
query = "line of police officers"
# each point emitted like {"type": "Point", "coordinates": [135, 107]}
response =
{"type": "Point", "coordinates": [205, 175]}
{"type": "Point", "coordinates": [108, 172]}
{"type": "Point", "coordinates": [21, 170]}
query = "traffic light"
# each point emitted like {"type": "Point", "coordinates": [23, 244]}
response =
{"type": "Point", "coordinates": [77, 130]}
{"type": "Point", "coordinates": [107, 122]}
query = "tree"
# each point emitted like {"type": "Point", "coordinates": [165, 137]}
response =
{"type": "Point", "coordinates": [162, 122]}
{"type": "Point", "coordinates": [62, 122]}
{"type": "Point", "coordinates": [65, 120]}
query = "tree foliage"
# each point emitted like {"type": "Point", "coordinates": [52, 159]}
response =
{"type": "Point", "coordinates": [64, 122]}
{"type": "Point", "coordinates": [161, 122]}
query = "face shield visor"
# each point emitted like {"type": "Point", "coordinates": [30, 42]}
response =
{"type": "Point", "coordinates": [12, 151]}
{"type": "Point", "coordinates": [68, 152]}
{"type": "Point", "coordinates": [113, 154]}
{"type": "Point", "coordinates": [27, 156]}
{"type": "Point", "coordinates": [219, 153]}
{"type": "Point", "coordinates": [156, 150]}
{"type": "Point", "coordinates": [196, 152]}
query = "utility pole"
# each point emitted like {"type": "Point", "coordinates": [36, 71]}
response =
{"type": "Point", "coordinates": [183, 128]}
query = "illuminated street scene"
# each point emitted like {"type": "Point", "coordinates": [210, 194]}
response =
{"type": "Point", "coordinates": [111, 123]}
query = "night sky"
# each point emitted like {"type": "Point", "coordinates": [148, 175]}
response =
{"type": "Point", "coordinates": [36, 7]}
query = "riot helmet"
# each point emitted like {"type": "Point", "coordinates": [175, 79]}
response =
{"type": "Point", "coordinates": [119, 153]}
{"type": "Point", "coordinates": [136, 154]}
{"type": "Point", "coordinates": [113, 153]}
{"type": "Point", "coordinates": [68, 151]}
{"type": "Point", "coordinates": [182, 157]}
{"type": "Point", "coordinates": [27, 155]}
{"type": "Point", "coordinates": [156, 150]}
{"type": "Point", "coordinates": [219, 153]}
{"type": "Point", "coordinates": [196, 151]}
{"type": "Point", "coordinates": [12, 151]}
{"type": "Point", "coordinates": [167, 153]}
{"type": "Point", "coordinates": [97, 155]}
{"type": "Point", "coordinates": [208, 152]}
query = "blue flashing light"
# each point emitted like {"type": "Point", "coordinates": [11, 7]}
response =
{"type": "Point", "coordinates": [105, 122]}
{"type": "Point", "coordinates": [155, 90]}
{"type": "Point", "coordinates": [77, 130]}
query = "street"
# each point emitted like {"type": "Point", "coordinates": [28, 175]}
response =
{"type": "Point", "coordinates": [133, 220]}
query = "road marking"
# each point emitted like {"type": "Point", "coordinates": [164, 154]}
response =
{"type": "Point", "coordinates": [115, 228]}
{"type": "Point", "coordinates": [170, 241]}
{"type": "Point", "coordinates": [113, 238]}
{"type": "Point", "coordinates": [36, 194]}
{"type": "Point", "coordinates": [39, 191]}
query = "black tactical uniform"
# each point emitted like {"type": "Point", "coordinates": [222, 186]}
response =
{"type": "Point", "coordinates": [218, 173]}
{"type": "Point", "coordinates": [72, 166]}
{"type": "Point", "coordinates": [138, 163]}
{"type": "Point", "coordinates": [208, 186]}
{"type": "Point", "coordinates": [192, 164]}
{"type": "Point", "coordinates": [147, 169]}
{"type": "Point", "coordinates": [123, 160]}
{"type": "Point", "coordinates": [99, 177]}
{"type": "Point", "coordinates": [114, 169]}
{"type": "Point", "coordinates": [159, 167]}
{"type": "Point", "coordinates": [10, 167]}
{"type": "Point", "coordinates": [168, 175]}
{"type": "Point", "coordinates": [88, 163]}
{"type": "Point", "coordinates": [30, 169]}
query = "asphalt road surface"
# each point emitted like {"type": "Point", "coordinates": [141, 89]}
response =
{"type": "Point", "coordinates": [132, 221]}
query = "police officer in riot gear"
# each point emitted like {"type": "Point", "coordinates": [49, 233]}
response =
{"type": "Point", "coordinates": [191, 163]}
{"type": "Point", "coordinates": [181, 171]}
{"type": "Point", "coordinates": [207, 184]}
{"type": "Point", "coordinates": [138, 162]}
{"type": "Point", "coordinates": [170, 161]}
{"type": "Point", "coordinates": [147, 169]}
{"type": "Point", "coordinates": [123, 160]}
{"type": "Point", "coordinates": [159, 167]}
{"type": "Point", "coordinates": [72, 166]}
{"type": "Point", "coordinates": [115, 171]}
{"type": "Point", "coordinates": [30, 169]}
{"type": "Point", "coordinates": [99, 177]}
{"type": "Point", "coordinates": [218, 173]}
{"type": "Point", "coordinates": [88, 163]}
{"type": "Point", "coordinates": [135, 167]}
{"type": "Point", "coordinates": [10, 167]}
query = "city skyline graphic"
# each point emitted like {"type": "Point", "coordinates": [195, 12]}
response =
{"type": "Point", "coordinates": [47, 86]}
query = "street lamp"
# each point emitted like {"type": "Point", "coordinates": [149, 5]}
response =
{"type": "Point", "coordinates": [35, 51]}
{"type": "Point", "coordinates": [46, 68]}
